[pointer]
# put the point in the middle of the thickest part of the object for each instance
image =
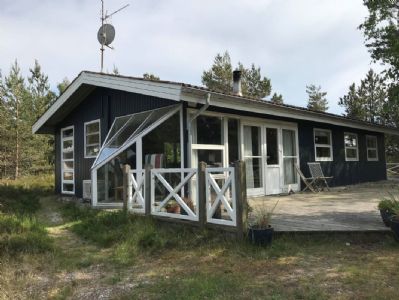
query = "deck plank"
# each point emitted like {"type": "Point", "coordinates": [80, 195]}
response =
{"type": "Point", "coordinates": [352, 208]}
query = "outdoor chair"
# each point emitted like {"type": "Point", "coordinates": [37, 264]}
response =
{"type": "Point", "coordinates": [309, 182]}
{"type": "Point", "coordinates": [317, 174]}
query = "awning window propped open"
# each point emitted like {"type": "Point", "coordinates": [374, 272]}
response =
{"type": "Point", "coordinates": [127, 129]}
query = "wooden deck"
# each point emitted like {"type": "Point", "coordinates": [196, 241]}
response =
{"type": "Point", "coordinates": [345, 209]}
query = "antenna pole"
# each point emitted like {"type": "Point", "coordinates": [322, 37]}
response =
{"type": "Point", "coordinates": [102, 26]}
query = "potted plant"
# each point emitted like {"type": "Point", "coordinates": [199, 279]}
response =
{"type": "Point", "coordinates": [395, 221]}
{"type": "Point", "coordinates": [260, 231]}
{"type": "Point", "coordinates": [173, 207]}
{"type": "Point", "coordinates": [386, 209]}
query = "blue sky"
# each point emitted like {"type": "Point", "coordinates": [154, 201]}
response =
{"type": "Point", "coordinates": [294, 42]}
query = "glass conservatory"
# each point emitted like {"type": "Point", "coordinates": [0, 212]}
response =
{"type": "Point", "coordinates": [146, 137]}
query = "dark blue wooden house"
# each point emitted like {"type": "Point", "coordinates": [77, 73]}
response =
{"type": "Point", "coordinates": [103, 121]}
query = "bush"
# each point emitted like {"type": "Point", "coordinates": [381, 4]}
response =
{"type": "Point", "coordinates": [389, 204]}
{"type": "Point", "coordinates": [20, 234]}
{"type": "Point", "coordinates": [22, 196]}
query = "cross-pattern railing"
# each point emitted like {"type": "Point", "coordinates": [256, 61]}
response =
{"type": "Point", "coordinates": [393, 169]}
{"type": "Point", "coordinates": [174, 193]}
{"type": "Point", "coordinates": [221, 196]}
{"type": "Point", "coordinates": [136, 201]}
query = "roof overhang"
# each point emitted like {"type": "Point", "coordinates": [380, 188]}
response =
{"type": "Point", "coordinates": [86, 82]}
{"type": "Point", "coordinates": [191, 94]}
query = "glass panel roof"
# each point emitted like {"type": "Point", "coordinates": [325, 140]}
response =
{"type": "Point", "coordinates": [125, 129]}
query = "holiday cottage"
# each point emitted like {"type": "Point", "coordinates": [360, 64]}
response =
{"type": "Point", "coordinates": [104, 122]}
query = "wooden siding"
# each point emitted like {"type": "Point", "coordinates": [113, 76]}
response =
{"type": "Point", "coordinates": [106, 105]}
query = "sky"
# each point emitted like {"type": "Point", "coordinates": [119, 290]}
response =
{"type": "Point", "coordinates": [295, 43]}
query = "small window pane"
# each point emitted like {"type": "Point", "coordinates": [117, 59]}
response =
{"type": "Point", "coordinates": [371, 142]}
{"type": "Point", "coordinates": [350, 140]}
{"type": "Point", "coordinates": [92, 150]}
{"type": "Point", "coordinates": [67, 133]}
{"type": "Point", "coordinates": [92, 127]}
{"type": "Point", "coordinates": [233, 140]}
{"type": "Point", "coordinates": [253, 170]}
{"type": "Point", "coordinates": [322, 137]}
{"type": "Point", "coordinates": [289, 146]}
{"type": "Point", "coordinates": [67, 187]}
{"type": "Point", "coordinates": [68, 175]}
{"type": "Point", "coordinates": [67, 146]}
{"type": "Point", "coordinates": [351, 153]}
{"type": "Point", "coordinates": [372, 154]}
{"type": "Point", "coordinates": [68, 165]}
{"type": "Point", "coordinates": [213, 158]}
{"type": "Point", "coordinates": [93, 139]}
{"type": "Point", "coordinates": [289, 171]}
{"type": "Point", "coordinates": [323, 152]}
{"type": "Point", "coordinates": [272, 146]}
{"type": "Point", "coordinates": [209, 130]}
{"type": "Point", "coordinates": [67, 155]}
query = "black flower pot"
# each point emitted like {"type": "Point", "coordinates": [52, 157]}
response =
{"type": "Point", "coordinates": [261, 236]}
{"type": "Point", "coordinates": [395, 226]}
{"type": "Point", "coordinates": [386, 216]}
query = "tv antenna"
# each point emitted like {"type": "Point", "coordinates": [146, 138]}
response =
{"type": "Point", "coordinates": [106, 33]}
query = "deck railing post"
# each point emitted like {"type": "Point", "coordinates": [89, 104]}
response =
{"type": "Point", "coordinates": [241, 198]}
{"type": "Point", "coordinates": [201, 194]}
{"type": "Point", "coordinates": [126, 186]}
{"type": "Point", "coordinates": [147, 189]}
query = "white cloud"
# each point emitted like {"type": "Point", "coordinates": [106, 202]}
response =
{"type": "Point", "coordinates": [294, 42]}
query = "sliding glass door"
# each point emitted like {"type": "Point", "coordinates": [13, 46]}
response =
{"type": "Point", "coordinates": [290, 158]}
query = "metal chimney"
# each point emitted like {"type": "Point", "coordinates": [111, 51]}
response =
{"type": "Point", "coordinates": [237, 83]}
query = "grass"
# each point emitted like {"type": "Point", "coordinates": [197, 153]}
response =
{"type": "Point", "coordinates": [91, 254]}
{"type": "Point", "coordinates": [20, 231]}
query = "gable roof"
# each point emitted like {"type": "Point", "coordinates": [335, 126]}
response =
{"type": "Point", "coordinates": [87, 81]}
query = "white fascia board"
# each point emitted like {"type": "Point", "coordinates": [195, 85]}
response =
{"type": "Point", "coordinates": [240, 104]}
{"type": "Point", "coordinates": [150, 88]}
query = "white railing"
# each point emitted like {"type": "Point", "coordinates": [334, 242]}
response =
{"type": "Point", "coordinates": [221, 196]}
{"type": "Point", "coordinates": [136, 202]}
{"type": "Point", "coordinates": [174, 193]}
{"type": "Point", "coordinates": [392, 169]}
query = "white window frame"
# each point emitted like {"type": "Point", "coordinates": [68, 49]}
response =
{"type": "Point", "coordinates": [93, 133]}
{"type": "Point", "coordinates": [322, 145]}
{"type": "Point", "coordinates": [67, 160]}
{"type": "Point", "coordinates": [356, 148]}
{"type": "Point", "coordinates": [372, 148]}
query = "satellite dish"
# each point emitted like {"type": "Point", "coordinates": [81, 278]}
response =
{"type": "Point", "coordinates": [106, 34]}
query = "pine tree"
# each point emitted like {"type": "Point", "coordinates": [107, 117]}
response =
{"type": "Point", "coordinates": [317, 99]}
{"type": "Point", "coordinates": [353, 104]}
{"type": "Point", "coordinates": [15, 97]}
{"type": "Point", "coordinates": [149, 76]}
{"type": "Point", "coordinates": [220, 78]}
{"type": "Point", "coordinates": [277, 98]}
{"type": "Point", "coordinates": [63, 85]}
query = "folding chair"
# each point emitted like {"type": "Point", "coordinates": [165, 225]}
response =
{"type": "Point", "coordinates": [317, 174]}
{"type": "Point", "coordinates": [309, 182]}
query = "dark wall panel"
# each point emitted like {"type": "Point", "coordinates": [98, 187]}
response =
{"type": "Point", "coordinates": [103, 104]}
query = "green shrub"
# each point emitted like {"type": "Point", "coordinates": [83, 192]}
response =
{"type": "Point", "coordinates": [390, 203]}
{"type": "Point", "coordinates": [22, 196]}
{"type": "Point", "coordinates": [21, 234]}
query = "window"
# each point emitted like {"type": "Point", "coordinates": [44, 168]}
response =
{"type": "Point", "coordinates": [351, 147]}
{"type": "Point", "coordinates": [92, 139]}
{"type": "Point", "coordinates": [67, 161]}
{"type": "Point", "coordinates": [372, 148]}
{"type": "Point", "coordinates": [323, 145]}
{"type": "Point", "coordinates": [290, 156]}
